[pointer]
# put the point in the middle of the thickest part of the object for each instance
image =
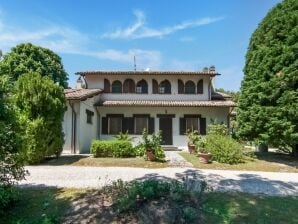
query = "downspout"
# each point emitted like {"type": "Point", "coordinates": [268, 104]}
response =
{"type": "Point", "coordinates": [73, 128]}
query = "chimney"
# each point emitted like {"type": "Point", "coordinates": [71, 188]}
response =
{"type": "Point", "coordinates": [79, 83]}
{"type": "Point", "coordinates": [205, 69]}
{"type": "Point", "coordinates": [212, 69]}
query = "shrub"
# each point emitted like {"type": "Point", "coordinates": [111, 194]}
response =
{"type": "Point", "coordinates": [153, 144]}
{"type": "Point", "coordinates": [8, 195]}
{"type": "Point", "coordinates": [112, 148]}
{"type": "Point", "coordinates": [224, 149]}
{"type": "Point", "coordinates": [123, 136]}
{"type": "Point", "coordinates": [217, 129]}
{"type": "Point", "coordinates": [139, 149]}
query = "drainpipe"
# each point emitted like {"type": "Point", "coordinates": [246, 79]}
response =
{"type": "Point", "coordinates": [73, 128]}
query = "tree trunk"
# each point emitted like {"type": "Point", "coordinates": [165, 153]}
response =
{"type": "Point", "coordinates": [295, 150]}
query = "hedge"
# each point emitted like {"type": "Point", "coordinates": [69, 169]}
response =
{"type": "Point", "coordinates": [112, 148]}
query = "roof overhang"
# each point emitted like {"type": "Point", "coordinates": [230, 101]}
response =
{"type": "Point", "coordinates": [81, 94]}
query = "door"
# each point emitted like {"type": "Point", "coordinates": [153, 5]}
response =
{"type": "Point", "coordinates": [165, 125]}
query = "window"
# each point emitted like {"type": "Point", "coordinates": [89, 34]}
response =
{"type": "Point", "coordinates": [167, 87]}
{"type": "Point", "coordinates": [89, 114]}
{"type": "Point", "coordinates": [115, 124]}
{"type": "Point", "coordinates": [190, 87]}
{"type": "Point", "coordinates": [141, 122]}
{"type": "Point", "coordinates": [142, 86]}
{"type": "Point", "coordinates": [200, 87]}
{"type": "Point", "coordinates": [116, 87]}
{"type": "Point", "coordinates": [128, 86]}
{"type": "Point", "coordinates": [192, 123]}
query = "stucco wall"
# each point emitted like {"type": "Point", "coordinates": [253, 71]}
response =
{"type": "Point", "coordinates": [95, 81]}
{"type": "Point", "coordinates": [218, 113]}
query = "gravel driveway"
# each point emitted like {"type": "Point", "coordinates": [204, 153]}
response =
{"type": "Point", "coordinates": [220, 180]}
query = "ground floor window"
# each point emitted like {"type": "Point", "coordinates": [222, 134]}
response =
{"type": "Point", "coordinates": [141, 123]}
{"type": "Point", "coordinates": [115, 125]}
{"type": "Point", "coordinates": [192, 123]}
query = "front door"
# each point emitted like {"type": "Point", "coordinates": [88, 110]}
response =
{"type": "Point", "coordinates": [165, 125]}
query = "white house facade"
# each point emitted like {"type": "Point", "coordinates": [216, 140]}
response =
{"type": "Point", "coordinates": [129, 101]}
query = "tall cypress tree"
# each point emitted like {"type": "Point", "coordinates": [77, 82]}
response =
{"type": "Point", "coordinates": [268, 102]}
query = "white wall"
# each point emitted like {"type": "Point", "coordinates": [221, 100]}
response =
{"type": "Point", "coordinates": [97, 81]}
{"type": "Point", "coordinates": [218, 113]}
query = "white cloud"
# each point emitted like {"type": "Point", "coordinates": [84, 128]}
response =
{"type": "Point", "coordinates": [187, 39]}
{"type": "Point", "coordinates": [139, 29]}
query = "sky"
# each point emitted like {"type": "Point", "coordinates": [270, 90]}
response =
{"type": "Point", "coordinates": [161, 34]}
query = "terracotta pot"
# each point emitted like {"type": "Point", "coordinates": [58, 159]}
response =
{"type": "Point", "coordinates": [205, 157]}
{"type": "Point", "coordinates": [191, 148]}
{"type": "Point", "coordinates": [150, 155]}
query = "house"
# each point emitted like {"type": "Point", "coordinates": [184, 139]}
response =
{"type": "Point", "coordinates": [105, 103]}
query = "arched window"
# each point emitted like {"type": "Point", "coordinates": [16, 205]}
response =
{"type": "Point", "coordinates": [116, 87]}
{"type": "Point", "coordinates": [154, 86]}
{"type": "Point", "coordinates": [200, 87]}
{"type": "Point", "coordinates": [190, 87]}
{"type": "Point", "coordinates": [129, 86]}
{"type": "Point", "coordinates": [165, 87]}
{"type": "Point", "coordinates": [107, 86]}
{"type": "Point", "coordinates": [180, 86]}
{"type": "Point", "coordinates": [142, 87]}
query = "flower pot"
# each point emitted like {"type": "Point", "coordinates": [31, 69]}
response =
{"type": "Point", "coordinates": [205, 157]}
{"type": "Point", "coordinates": [191, 148]}
{"type": "Point", "coordinates": [150, 155]}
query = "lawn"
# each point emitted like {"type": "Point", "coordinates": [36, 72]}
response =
{"type": "Point", "coordinates": [81, 160]}
{"type": "Point", "coordinates": [56, 205]}
{"type": "Point", "coordinates": [271, 162]}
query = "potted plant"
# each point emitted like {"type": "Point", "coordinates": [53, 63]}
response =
{"type": "Point", "coordinates": [147, 143]}
{"type": "Point", "coordinates": [193, 137]}
{"type": "Point", "coordinates": [204, 155]}
{"type": "Point", "coordinates": [153, 149]}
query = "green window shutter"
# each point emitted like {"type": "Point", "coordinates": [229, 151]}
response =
{"type": "Point", "coordinates": [124, 124]}
{"type": "Point", "coordinates": [151, 125]}
{"type": "Point", "coordinates": [203, 126]}
{"type": "Point", "coordinates": [182, 126]}
{"type": "Point", "coordinates": [130, 125]}
{"type": "Point", "coordinates": [104, 126]}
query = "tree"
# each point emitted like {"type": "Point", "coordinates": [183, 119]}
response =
{"type": "Point", "coordinates": [41, 105]}
{"type": "Point", "coordinates": [268, 102]}
{"type": "Point", "coordinates": [11, 165]}
{"type": "Point", "coordinates": [27, 57]}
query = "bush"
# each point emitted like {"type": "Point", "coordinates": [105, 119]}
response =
{"type": "Point", "coordinates": [139, 149]}
{"type": "Point", "coordinates": [8, 195]}
{"type": "Point", "coordinates": [153, 144]}
{"type": "Point", "coordinates": [218, 129]}
{"type": "Point", "coordinates": [224, 149]}
{"type": "Point", "coordinates": [112, 148]}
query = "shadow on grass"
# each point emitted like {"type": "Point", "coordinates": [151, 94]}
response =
{"type": "Point", "coordinates": [63, 160]}
{"type": "Point", "coordinates": [278, 157]}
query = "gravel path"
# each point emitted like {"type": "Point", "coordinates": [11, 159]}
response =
{"type": "Point", "coordinates": [175, 160]}
{"type": "Point", "coordinates": [220, 180]}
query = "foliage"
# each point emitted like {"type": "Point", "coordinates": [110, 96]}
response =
{"type": "Point", "coordinates": [123, 136]}
{"type": "Point", "coordinates": [112, 148]}
{"type": "Point", "coordinates": [135, 193]}
{"type": "Point", "coordinates": [153, 144]}
{"type": "Point", "coordinates": [224, 149]}
{"type": "Point", "coordinates": [139, 149]}
{"type": "Point", "coordinates": [193, 137]}
{"type": "Point", "coordinates": [217, 129]}
{"type": "Point", "coordinates": [11, 164]}
{"type": "Point", "coordinates": [268, 100]}
{"type": "Point", "coordinates": [41, 107]}
{"type": "Point", "coordinates": [26, 58]}
{"type": "Point", "coordinates": [190, 214]}
{"type": "Point", "coordinates": [201, 144]}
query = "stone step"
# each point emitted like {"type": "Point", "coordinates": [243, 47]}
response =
{"type": "Point", "coordinates": [170, 148]}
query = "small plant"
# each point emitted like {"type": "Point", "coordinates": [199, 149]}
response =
{"type": "Point", "coordinates": [190, 214]}
{"type": "Point", "coordinates": [217, 129]}
{"type": "Point", "coordinates": [123, 137]}
{"type": "Point", "coordinates": [193, 137]}
{"type": "Point", "coordinates": [201, 144]}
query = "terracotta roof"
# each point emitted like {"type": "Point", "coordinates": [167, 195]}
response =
{"type": "Point", "coordinates": [146, 73]}
{"type": "Point", "coordinates": [220, 96]}
{"type": "Point", "coordinates": [166, 103]}
{"type": "Point", "coordinates": [81, 94]}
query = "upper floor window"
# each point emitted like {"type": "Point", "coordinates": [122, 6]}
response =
{"type": "Point", "coordinates": [128, 86]}
{"type": "Point", "coordinates": [89, 114]}
{"type": "Point", "coordinates": [142, 87]}
{"type": "Point", "coordinates": [165, 87]}
{"type": "Point", "coordinates": [116, 87]}
{"type": "Point", "coordinates": [200, 87]}
{"type": "Point", "coordinates": [190, 87]}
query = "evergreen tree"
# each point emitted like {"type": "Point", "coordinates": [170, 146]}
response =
{"type": "Point", "coordinates": [268, 102]}
{"type": "Point", "coordinates": [25, 58]}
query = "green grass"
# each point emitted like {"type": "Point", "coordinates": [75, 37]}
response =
{"type": "Point", "coordinates": [52, 205]}
{"type": "Point", "coordinates": [80, 160]}
{"type": "Point", "coordinates": [246, 208]}
{"type": "Point", "coordinates": [270, 162]}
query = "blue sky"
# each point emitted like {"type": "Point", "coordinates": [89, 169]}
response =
{"type": "Point", "coordinates": [162, 34]}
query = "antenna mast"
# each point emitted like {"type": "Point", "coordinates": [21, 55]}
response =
{"type": "Point", "coordinates": [134, 60]}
